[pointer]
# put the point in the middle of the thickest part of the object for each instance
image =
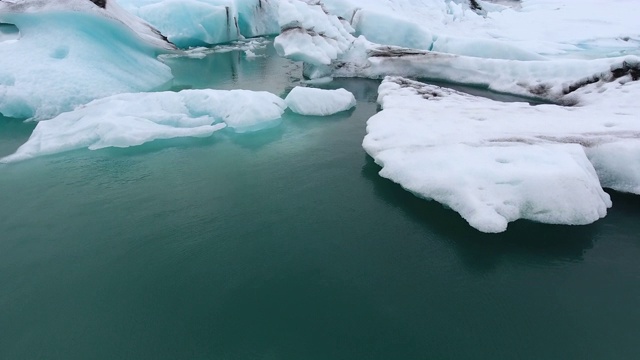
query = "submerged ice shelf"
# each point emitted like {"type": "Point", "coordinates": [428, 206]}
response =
{"type": "Point", "coordinates": [189, 23]}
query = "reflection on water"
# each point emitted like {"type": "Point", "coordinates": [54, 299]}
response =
{"type": "Point", "coordinates": [483, 252]}
{"type": "Point", "coordinates": [234, 70]}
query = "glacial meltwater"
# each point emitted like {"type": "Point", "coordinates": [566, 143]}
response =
{"type": "Point", "coordinates": [286, 244]}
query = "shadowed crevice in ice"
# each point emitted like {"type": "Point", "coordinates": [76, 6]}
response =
{"type": "Point", "coordinates": [100, 3]}
{"type": "Point", "coordinates": [497, 162]}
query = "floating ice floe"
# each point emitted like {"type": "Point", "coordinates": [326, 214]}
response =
{"type": "Point", "coordinates": [125, 120]}
{"type": "Point", "coordinates": [70, 52]}
{"type": "Point", "coordinates": [496, 162]}
{"type": "Point", "coordinates": [319, 102]}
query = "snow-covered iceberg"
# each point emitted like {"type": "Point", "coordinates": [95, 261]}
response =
{"type": "Point", "coordinates": [496, 162]}
{"type": "Point", "coordinates": [319, 102]}
{"type": "Point", "coordinates": [70, 52]}
{"type": "Point", "coordinates": [450, 41]}
{"type": "Point", "coordinates": [125, 120]}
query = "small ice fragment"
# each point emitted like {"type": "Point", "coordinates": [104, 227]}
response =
{"type": "Point", "coordinates": [320, 102]}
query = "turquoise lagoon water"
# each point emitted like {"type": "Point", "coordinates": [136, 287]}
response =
{"type": "Point", "coordinates": [286, 244]}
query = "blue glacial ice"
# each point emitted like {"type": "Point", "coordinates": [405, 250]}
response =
{"type": "Point", "coordinates": [191, 23]}
{"type": "Point", "coordinates": [68, 53]}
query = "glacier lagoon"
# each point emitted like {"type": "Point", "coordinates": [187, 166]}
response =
{"type": "Point", "coordinates": [286, 244]}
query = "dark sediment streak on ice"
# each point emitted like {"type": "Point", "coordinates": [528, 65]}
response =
{"type": "Point", "coordinates": [100, 3]}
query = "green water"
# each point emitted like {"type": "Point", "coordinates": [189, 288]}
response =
{"type": "Point", "coordinates": [286, 244]}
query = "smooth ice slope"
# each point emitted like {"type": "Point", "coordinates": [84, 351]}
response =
{"type": "Point", "coordinates": [319, 102]}
{"type": "Point", "coordinates": [132, 119]}
{"type": "Point", "coordinates": [71, 52]}
{"type": "Point", "coordinates": [190, 23]}
{"type": "Point", "coordinates": [497, 162]}
{"type": "Point", "coordinates": [110, 10]}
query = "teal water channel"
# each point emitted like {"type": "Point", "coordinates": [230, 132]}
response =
{"type": "Point", "coordinates": [286, 244]}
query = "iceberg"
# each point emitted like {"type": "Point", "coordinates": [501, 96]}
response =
{"type": "Point", "coordinates": [258, 17]}
{"type": "Point", "coordinates": [496, 162]}
{"type": "Point", "coordinates": [319, 102]}
{"type": "Point", "coordinates": [505, 29]}
{"type": "Point", "coordinates": [191, 23]}
{"type": "Point", "coordinates": [67, 53]}
{"type": "Point", "coordinates": [349, 38]}
{"type": "Point", "coordinates": [125, 120]}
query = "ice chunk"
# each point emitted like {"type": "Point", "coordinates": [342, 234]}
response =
{"type": "Point", "coordinates": [319, 102]}
{"type": "Point", "coordinates": [71, 52]}
{"type": "Point", "coordinates": [125, 120]}
{"type": "Point", "coordinates": [9, 32]}
{"type": "Point", "coordinates": [309, 34]}
{"type": "Point", "coordinates": [497, 162]}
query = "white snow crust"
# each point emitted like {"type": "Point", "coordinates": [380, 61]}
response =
{"type": "Point", "coordinates": [495, 162]}
{"type": "Point", "coordinates": [319, 102]}
{"type": "Point", "coordinates": [125, 120]}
